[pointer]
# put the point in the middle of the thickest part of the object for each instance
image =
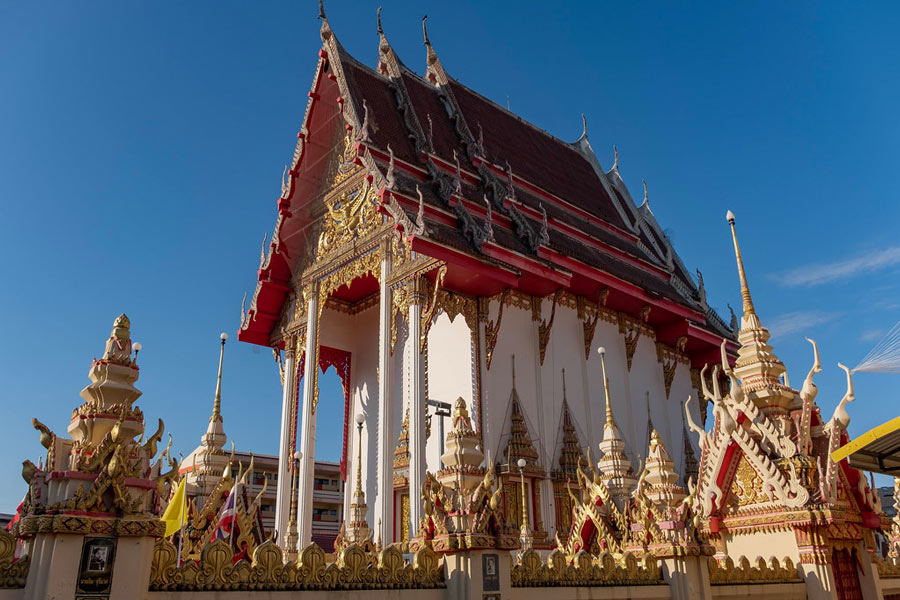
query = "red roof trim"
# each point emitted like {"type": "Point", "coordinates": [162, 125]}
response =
{"type": "Point", "coordinates": [451, 255]}
{"type": "Point", "coordinates": [259, 324]}
{"type": "Point", "coordinates": [614, 282]}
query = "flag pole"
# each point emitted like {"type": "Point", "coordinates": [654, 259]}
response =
{"type": "Point", "coordinates": [181, 528]}
{"type": "Point", "coordinates": [234, 508]}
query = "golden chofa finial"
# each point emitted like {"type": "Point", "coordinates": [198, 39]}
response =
{"type": "Point", "coordinates": [745, 289]}
{"type": "Point", "coordinates": [609, 414]}
{"type": "Point", "coordinates": [378, 16]}
{"type": "Point", "coordinates": [425, 30]}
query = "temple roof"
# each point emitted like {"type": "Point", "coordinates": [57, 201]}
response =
{"type": "Point", "coordinates": [557, 219]}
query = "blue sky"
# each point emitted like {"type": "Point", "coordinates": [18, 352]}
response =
{"type": "Point", "coordinates": [141, 150]}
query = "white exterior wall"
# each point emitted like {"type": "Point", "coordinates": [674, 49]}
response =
{"type": "Point", "coordinates": [449, 375]}
{"type": "Point", "coordinates": [518, 336]}
{"type": "Point", "coordinates": [647, 376]}
{"type": "Point", "coordinates": [779, 544]}
{"type": "Point", "coordinates": [357, 334]}
{"type": "Point", "coordinates": [607, 335]}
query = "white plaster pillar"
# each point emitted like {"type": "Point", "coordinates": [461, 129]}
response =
{"type": "Point", "coordinates": [283, 491]}
{"type": "Point", "coordinates": [384, 509]}
{"type": "Point", "coordinates": [308, 426]}
{"type": "Point", "coordinates": [415, 390]}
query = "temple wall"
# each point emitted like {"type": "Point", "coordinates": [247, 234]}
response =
{"type": "Point", "coordinates": [357, 334]}
{"type": "Point", "coordinates": [645, 592]}
{"type": "Point", "coordinates": [518, 336]}
{"type": "Point", "coordinates": [764, 591]}
{"type": "Point", "coordinates": [364, 375]}
{"type": "Point", "coordinates": [681, 389]}
{"type": "Point", "coordinates": [608, 336]}
{"type": "Point", "coordinates": [435, 594]}
{"type": "Point", "coordinates": [763, 543]}
{"type": "Point", "coordinates": [636, 592]}
{"type": "Point", "coordinates": [449, 375]}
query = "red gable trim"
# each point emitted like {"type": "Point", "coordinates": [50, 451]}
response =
{"type": "Point", "coordinates": [608, 280]}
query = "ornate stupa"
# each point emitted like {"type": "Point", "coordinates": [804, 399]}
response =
{"type": "Point", "coordinates": [659, 476]}
{"type": "Point", "coordinates": [757, 366]}
{"type": "Point", "coordinates": [103, 476]}
{"type": "Point", "coordinates": [110, 395]}
{"type": "Point", "coordinates": [357, 530]}
{"type": "Point", "coordinates": [615, 468]}
{"type": "Point", "coordinates": [206, 464]}
{"type": "Point", "coordinates": [462, 502]}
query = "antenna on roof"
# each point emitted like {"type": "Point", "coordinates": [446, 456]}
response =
{"type": "Point", "coordinates": [378, 16]}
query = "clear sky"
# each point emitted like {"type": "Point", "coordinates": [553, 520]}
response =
{"type": "Point", "coordinates": [142, 145]}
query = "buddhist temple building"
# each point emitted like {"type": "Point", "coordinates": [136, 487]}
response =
{"type": "Point", "coordinates": [535, 393]}
{"type": "Point", "coordinates": [423, 236]}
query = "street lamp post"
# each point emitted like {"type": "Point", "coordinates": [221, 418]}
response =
{"type": "Point", "coordinates": [441, 409]}
{"type": "Point", "coordinates": [525, 531]}
{"type": "Point", "coordinates": [291, 539]}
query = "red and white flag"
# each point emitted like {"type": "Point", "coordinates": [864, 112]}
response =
{"type": "Point", "coordinates": [226, 517]}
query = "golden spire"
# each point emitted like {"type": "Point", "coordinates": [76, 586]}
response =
{"type": "Point", "coordinates": [745, 289]}
{"type": "Point", "coordinates": [217, 403]}
{"type": "Point", "coordinates": [609, 414]}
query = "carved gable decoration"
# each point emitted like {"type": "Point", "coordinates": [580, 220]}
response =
{"type": "Point", "coordinates": [349, 205]}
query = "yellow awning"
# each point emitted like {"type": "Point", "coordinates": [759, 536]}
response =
{"type": "Point", "coordinates": [876, 450]}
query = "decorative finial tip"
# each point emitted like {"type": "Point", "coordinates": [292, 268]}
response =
{"type": "Point", "coordinates": [321, 9]}
{"type": "Point", "coordinates": [378, 15]}
{"type": "Point", "coordinates": [425, 30]}
{"type": "Point", "coordinates": [730, 216]}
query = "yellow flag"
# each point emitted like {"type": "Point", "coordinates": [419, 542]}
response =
{"type": "Point", "coordinates": [174, 515]}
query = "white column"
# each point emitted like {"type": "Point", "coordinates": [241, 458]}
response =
{"type": "Point", "coordinates": [384, 499]}
{"type": "Point", "coordinates": [415, 389]}
{"type": "Point", "coordinates": [308, 427]}
{"type": "Point", "coordinates": [283, 491]}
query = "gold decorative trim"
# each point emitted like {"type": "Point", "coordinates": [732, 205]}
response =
{"type": "Point", "coordinates": [590, 324]}
{"type": "Point", "coordinates": [13, 572]}
{"type": "Point", "coordinates": [492, 329]}
{"type": "Point", "coordinates": [354, 569]}
{"type": "Point", "coordinates": [632, 329]}
{"type": "Point", "coordinates": [669, 358]}
{"type": "Point", "coordinates": [546, 327]}
{"type": "Point", "coordinates": [605, 570]}
{"type": "Point", "coordinates": [761, 571]}
{"type": "Point", "coordinates": [428, 309]}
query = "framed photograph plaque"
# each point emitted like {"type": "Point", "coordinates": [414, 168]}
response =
{"type": "Point", "coordinates": [98, 554]}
